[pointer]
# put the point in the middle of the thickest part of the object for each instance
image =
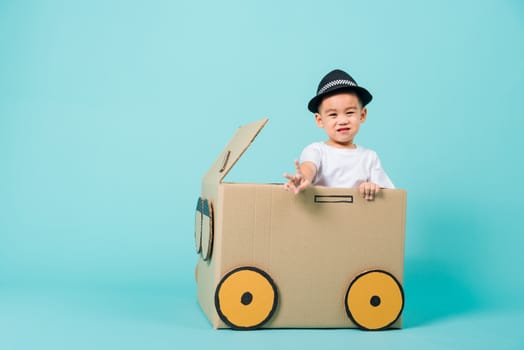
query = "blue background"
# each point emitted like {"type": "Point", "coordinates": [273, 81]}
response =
{"type": "Point", "coordinates": [112, 111]}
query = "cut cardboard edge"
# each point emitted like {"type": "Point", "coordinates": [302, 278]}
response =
{"type": "Point", "coordinates": [236, 147]}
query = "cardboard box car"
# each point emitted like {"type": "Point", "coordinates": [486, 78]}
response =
{"type": "Point", "coordinates": [325, 258]}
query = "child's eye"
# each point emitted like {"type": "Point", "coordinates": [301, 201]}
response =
{"type": "Point", "coordinates": [332, 115]}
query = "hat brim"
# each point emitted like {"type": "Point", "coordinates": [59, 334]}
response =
{"type": "Point", "coordinates": [363, 94]}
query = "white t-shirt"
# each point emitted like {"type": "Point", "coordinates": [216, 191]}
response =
{"type": "Point", "coordinates": [342, 167]}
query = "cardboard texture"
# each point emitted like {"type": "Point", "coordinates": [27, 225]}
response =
{"type": "Point", "coordinates": [325, 258]}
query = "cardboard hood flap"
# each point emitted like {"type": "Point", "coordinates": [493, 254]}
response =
{"type": "Point", "coordinates": [234, 150]}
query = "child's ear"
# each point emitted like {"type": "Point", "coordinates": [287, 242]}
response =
{"type": "Point", "coordinates": [318, 120]}
{"type": "Point", "coordinates": [363, 114]}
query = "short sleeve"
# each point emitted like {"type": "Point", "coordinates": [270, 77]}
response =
{"type": "Point", "coordinates": [312, 153]}
{"type": "Point", "coordinates": [378, 175]}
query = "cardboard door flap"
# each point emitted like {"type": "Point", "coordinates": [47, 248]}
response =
{"type": "Point", "coordinates": [243, 138]}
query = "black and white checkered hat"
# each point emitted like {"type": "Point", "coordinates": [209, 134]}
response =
{"type": "Point", "coordinates": [337, 81]}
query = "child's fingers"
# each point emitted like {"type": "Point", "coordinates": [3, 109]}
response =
{"type": "Point", "coordinates": [302, 186]}
{"type": "Point", "coordinates": [290, 186]}
{"type": "Point", "coordinates": [368, 190]}
{"type": "Point", "coordinates": [362, 189]}
{"type": "Point", "coordinates": [296, 178]}
{"type": "Point", "coordinates": [375, 189]}
{"type": "Point", "coordinates": [296, 183]}
{"type": "Point", "coordinates": [297, 167]}
{"type": "Point", "coordinates": [299, 189]}
{"type": "Point", "coordinates": [290, 177]}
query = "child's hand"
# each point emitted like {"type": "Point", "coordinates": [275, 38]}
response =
{"type": "Point", "coordinates": [369, 190]}
{"type": "Point", "coordinates": [297, 182]}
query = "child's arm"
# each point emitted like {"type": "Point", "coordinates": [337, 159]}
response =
{"type": "Point", "coordinates": [305, 173]}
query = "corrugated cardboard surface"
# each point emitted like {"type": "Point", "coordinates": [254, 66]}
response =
{"type": "Point", "coordinates": [312, 244]}
{"type": "Point", "coordinates": [311, 250]}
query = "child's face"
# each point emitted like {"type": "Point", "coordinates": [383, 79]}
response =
{"type": "Point", "coordinates": [340, 116]}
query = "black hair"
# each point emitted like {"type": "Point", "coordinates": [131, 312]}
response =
{"type": "Point", "coordinates": [341, 91]}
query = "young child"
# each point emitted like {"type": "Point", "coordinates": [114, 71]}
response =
{"type": "Point", "coordinates": [339, 108]}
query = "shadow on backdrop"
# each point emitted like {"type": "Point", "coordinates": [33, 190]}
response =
{"type": "Point", "coordinates": [435, 291]}
{"type": "Point", "coordinates": [443, 281]}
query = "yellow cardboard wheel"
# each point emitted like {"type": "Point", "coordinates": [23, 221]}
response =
{"type": "Point", "coordinates": [246, 298]}
{"type": "Point", "coordinates": [374, 300]}
{"type": "Point", "coordinates": [198, 226]}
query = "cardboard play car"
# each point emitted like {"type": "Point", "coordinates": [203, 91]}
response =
{"type": "Point", "coordinates": [325, 258]}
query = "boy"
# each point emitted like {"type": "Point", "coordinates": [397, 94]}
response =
{"type": "Point", "coordinates": [339, 108]}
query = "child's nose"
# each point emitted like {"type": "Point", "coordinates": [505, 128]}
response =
{"type": "Point", "coordinates": [344, 119]}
